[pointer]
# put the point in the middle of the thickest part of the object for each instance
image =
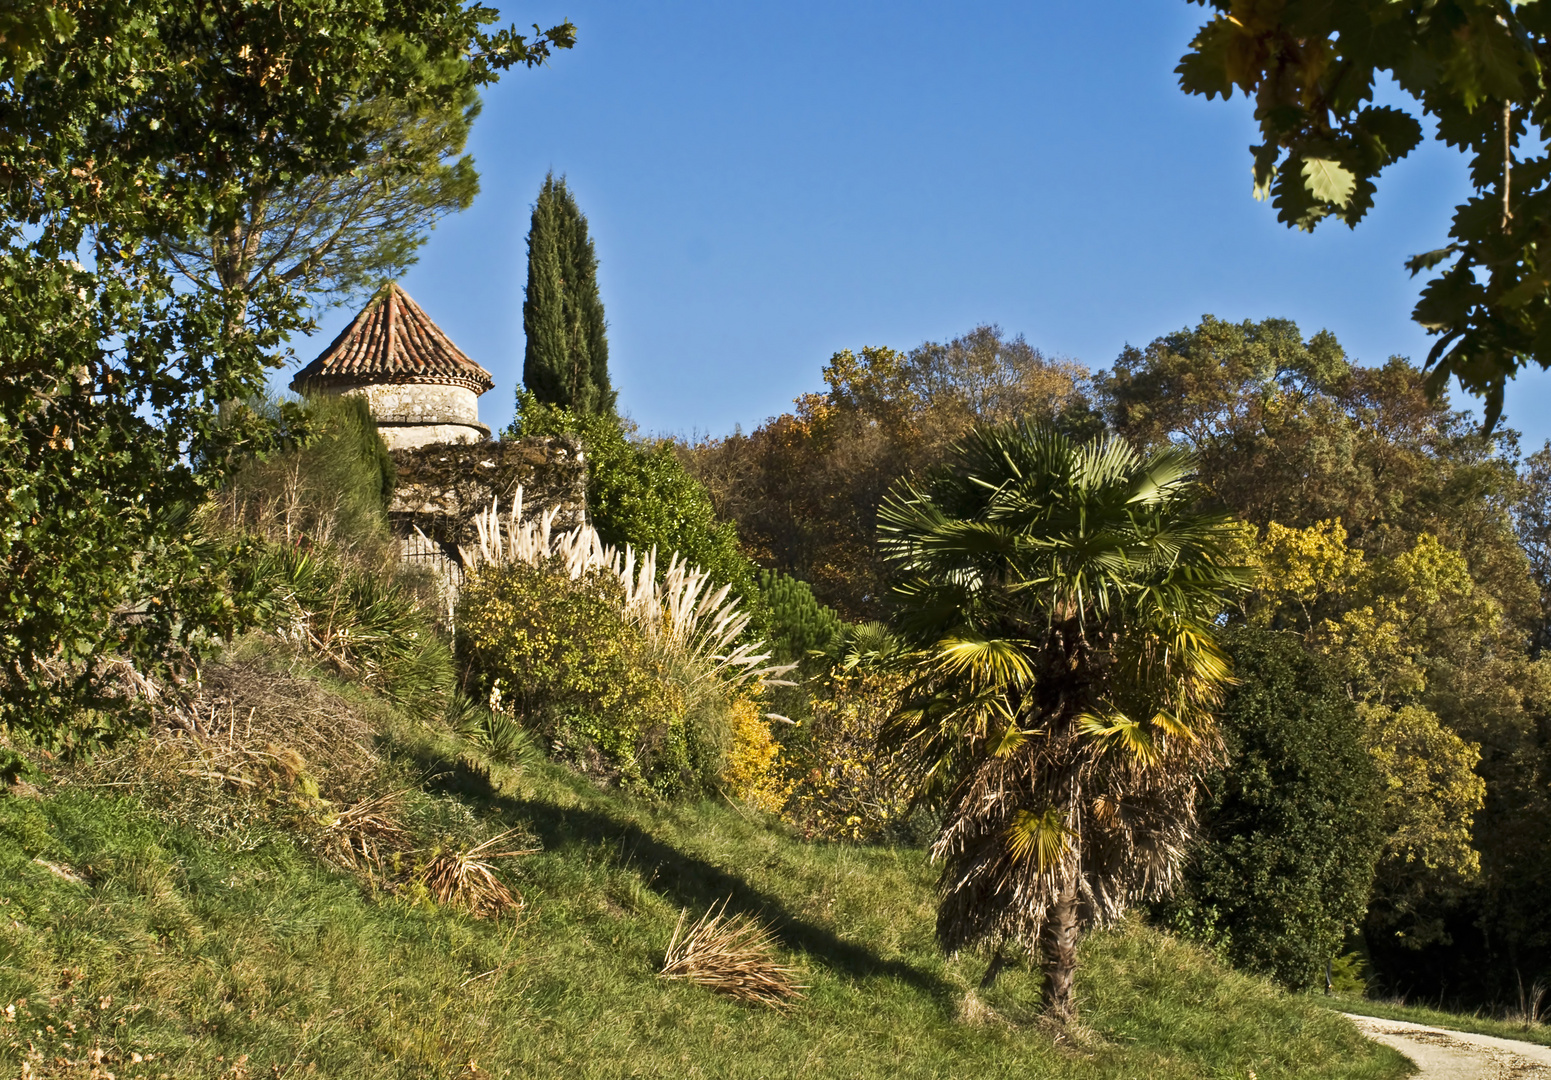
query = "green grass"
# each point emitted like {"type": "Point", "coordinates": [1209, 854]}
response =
{"type": "Point", "coordinates": [1473, 1022]}
{"type": "Point", "coordinates": [244, 955]}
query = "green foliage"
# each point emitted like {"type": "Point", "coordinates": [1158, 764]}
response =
{"type": "Point", "coordinates": [175, 113]}
{"type": "Point", "coordinates": [804, 488]}
{"type": "Point", "coordinates": [640, 493]}
{"type": "Point", "coordinates": [1477, 70]}
{"type": "Point", "coordinates": [1387, 535]}
{"type": "Point", "coordinates": [1290, 828]}
{"type": "Point", "coordinates": [371, 629]}
{"type": "Point", "coordinates": [844, 784]}
{"type": "Point", "coordinates": [561, 656]}
{"type": "Point", "coordinates": [801, 631]}
{"type": "Point", "coordinates": [497, 735]}
{"type": "Point", "coordinates": [337, 235]}
{"type": "Point", "coordinates": [1378, 624]}
{"type": "Point", "coordinates": [797, 623]}
{"type": "Point", "coordinates": [1532, 522]}
{"type": "Point", "coordinates": [1200, 383]}
{"type": "Point", "coordinates": [328, 481]}
{"type": "Point", "coordinates": [567, 357]}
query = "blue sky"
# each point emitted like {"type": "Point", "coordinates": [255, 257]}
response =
{"type": "Point", "coordinates": [767, 183]}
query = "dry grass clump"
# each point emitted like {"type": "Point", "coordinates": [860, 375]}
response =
{"type": "Point", "coordinates": [249, 751]}
{"type": "Point", "coordinates": [250, 714]}
{"type": "Point", "coordinates": [466, 879]}
{"type": "Point", "coordinates": [732, 955]}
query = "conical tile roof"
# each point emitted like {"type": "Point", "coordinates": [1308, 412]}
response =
{"type": "Point", "coordinates": [392, 341]}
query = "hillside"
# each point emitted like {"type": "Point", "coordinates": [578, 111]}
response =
{"type": "Point", "coordinates": [161, 919]}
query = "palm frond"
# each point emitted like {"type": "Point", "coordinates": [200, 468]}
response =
{"type": "Point", "coordinates": [1045, 836]}
{"type": "Point", "coordinates": [989, 661]}
{"type": "Point", "coordinates": [1118, 732]}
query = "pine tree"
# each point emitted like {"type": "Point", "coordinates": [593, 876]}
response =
{"type": "Point", "coordinates": [567, 360]}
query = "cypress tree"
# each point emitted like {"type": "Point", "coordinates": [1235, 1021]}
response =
{"type": "Point", "coordinates": [567, 359]}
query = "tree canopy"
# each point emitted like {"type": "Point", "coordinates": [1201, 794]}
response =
{"type": "Point", "coordinates": [124, 123]}
{"type": "Point", "coordinates": [804, 488]}
{"type": "Point", "coordinates": [1392, 535]}
{"type": "Point", "coordinates": [1290, 825]}
{"type": "Point", "coordinates": [567, 357]}
{"type": "Point", "coordinates": [333, 235]}
{"type": "Point", "coordinates": [1476, 68]}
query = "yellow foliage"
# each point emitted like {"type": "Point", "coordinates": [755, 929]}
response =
{"type": "Point", "coordinates": [1381, 621]}
{"type": "Point", "coordinates": [1432, 791]}
{"type": "Point", "coordinates": [751, 772]}
{"type": "Point", "coordinates": [842, 786]}
{"type": "Point", "coordinates": [1301, 566]}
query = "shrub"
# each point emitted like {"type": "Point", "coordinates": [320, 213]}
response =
{"type": "Point", "coordinates": [1290, 831]}
{"type": "Point", "coordinates": [842, 784]}
{"type": "Point", "coordinates": [797, 623]}
{"type": "Point", "coordinates": [631, 674]}
{"type": "Point", "coordinates": [559, 654]}
{"type": "Point", "coordinates": [752, 770]}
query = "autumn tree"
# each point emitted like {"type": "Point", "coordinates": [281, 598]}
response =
{"type": "Point", "coordinates": [1532, 518]}
{"type": "Point", "coordinates": [1381, 623]}
{"type": "Point", "coordinates": [1390, 523]}
{"type": "Point", "coordinates": [804, 488]}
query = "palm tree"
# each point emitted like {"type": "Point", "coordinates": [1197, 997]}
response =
{"type": "Point", "coordinates": [1060, 600]}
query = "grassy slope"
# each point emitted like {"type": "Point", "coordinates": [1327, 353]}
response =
{"type": "Point", "coordinates": [193, 953]}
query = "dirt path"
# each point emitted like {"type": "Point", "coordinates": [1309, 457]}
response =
{"type": "Point", "coordinates": [1459, 1055]}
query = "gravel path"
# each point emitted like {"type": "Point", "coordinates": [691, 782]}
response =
{"type": "Point", "coordinates": [1459, 1055]}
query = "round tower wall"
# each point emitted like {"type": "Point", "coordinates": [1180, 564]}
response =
{"type": "Point", "coordinates": [420, 403]}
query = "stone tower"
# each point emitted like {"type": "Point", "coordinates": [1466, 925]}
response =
{"type": "Point", "coordinates": [420, 387]}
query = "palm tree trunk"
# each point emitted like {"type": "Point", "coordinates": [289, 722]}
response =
{"type": "Point", "coordinates": [1058, 942]}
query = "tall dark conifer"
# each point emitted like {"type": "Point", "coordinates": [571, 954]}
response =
{"type": "Point", "coordinates": [567, 359]}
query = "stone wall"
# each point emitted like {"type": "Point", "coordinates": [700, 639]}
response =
{"type": "Point", "coordinates": [441, 487]}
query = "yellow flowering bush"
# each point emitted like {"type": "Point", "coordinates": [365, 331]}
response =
{"type": "Point", "coordinates": [841, 785]}
{"type": "Point", "coordinates": [559, 654]}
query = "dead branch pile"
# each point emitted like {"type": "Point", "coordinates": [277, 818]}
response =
{"type": "Point", "coordinates": [732, 955]}
{"type": "Point", "coordinates": [248, 750]}
{"type": "Point", "coordinates": [245, 727]}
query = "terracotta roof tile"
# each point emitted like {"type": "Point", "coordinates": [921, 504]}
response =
{"type": "Point", "coordinates": [392, 341]}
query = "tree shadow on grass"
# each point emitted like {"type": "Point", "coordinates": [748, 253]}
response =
{"type": "Point", "coordinates": [685, 880]}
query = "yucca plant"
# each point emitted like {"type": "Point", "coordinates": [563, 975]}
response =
{"type": "Point", "coordinates": [1058, 600]}
{"type": "Point", "coordinates": [369, 629]}
{"type": "Point", "coordinates": [731, 954]}
{"type": "Point", "coordinates": [502, 739]}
